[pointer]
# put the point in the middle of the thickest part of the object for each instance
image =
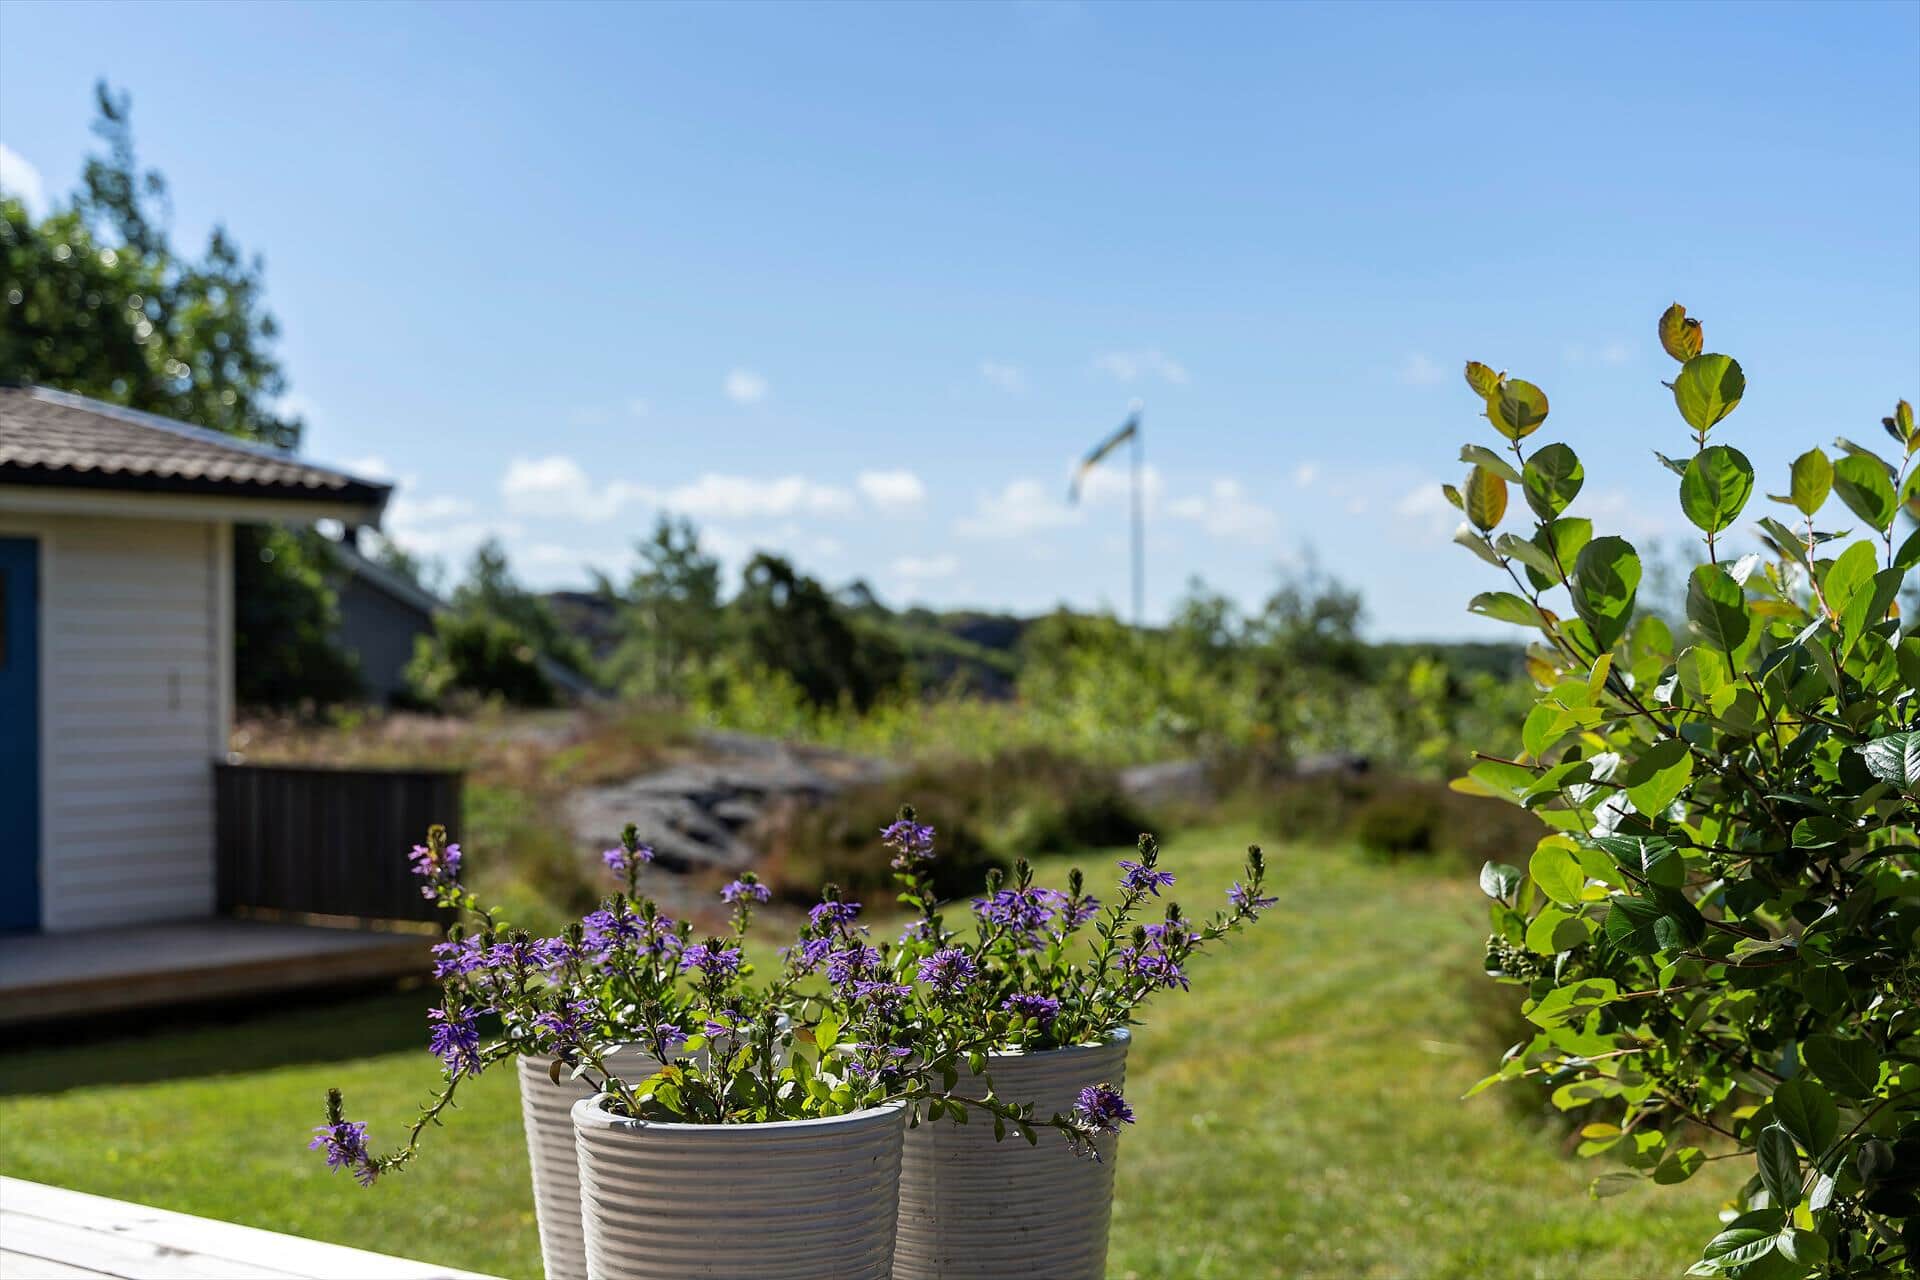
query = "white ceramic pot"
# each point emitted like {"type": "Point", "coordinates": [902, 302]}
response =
{"type": "Point", "coordinates": [788, 1200]}
{"type": "Point", "coordinates": [975, 1209]}
{"type": "Point", "coordinates": [547, 1109]}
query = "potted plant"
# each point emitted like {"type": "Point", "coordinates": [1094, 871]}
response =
{"type": "Point", "coordinates": [622, 962]}
{"type": "Point", "coordinates": [1026, 1007]}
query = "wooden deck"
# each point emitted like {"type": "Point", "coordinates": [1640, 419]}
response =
{"type": "Point", "coordinates": [51, 975]}
{"type": "Point", "coordinates": [47, 1233]}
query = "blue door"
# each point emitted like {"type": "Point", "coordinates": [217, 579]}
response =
{"type": "Point", "coordinates": [19, 733]}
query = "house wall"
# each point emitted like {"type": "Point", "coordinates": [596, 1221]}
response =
{"type": "Point", "coordinates": [136, 702]}
{"type": "Point", "coordinates": [380, 631]}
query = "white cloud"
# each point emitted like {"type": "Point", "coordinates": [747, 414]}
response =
{"type": "Point", "coordinates": [744, 386]}
{"type": "Point", "coordinates": [19, 178]}
{"type": "Point", "coordinates": [371, 467]}
{"type": "Point", "coordinates": [1007, 377]}
{"type": "Point", "coordinates": [589, 416]}
{"type": "Point", "coordinates": [1305, 474]}
{"type": "Point", "coordinates": [1419, 370]}
{"type": "Point", "coordinates": [638, 407]}
{"type": "Point", "coordinates": [920, 568]}
{"type": "Point", "coordinates": [559, 488]}
{"type": "Point", "coordinates": [1425, 507]}
{"type": "Point", "coordinates": [1020, 508]}
{"type": "Point", "coordinates": [1110, 483]}
{"type": "Point", "coordinates": [1225, 511]}
{"type": "Point", "coordinates": [723, 497]}
{"type": "Point", "coordinates": [1132, 366]}
{"type": "Point", "coordinates": [892, 490]}
{"type": "Point", "coordinates": [441, 526]}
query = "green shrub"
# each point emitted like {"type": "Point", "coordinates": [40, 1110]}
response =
{"type": "Point", "coordinates": [988, 813]}
{"type": "Point", "coordinates": [1717, 942]}
{"type": "Point", "coordinates": [478, 655]}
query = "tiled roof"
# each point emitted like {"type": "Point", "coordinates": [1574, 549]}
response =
{"type": "Point", "coordinates": [53, 438]}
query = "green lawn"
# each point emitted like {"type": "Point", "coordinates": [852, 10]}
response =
{"type": "Point", "coordinates": [1299, 1113]}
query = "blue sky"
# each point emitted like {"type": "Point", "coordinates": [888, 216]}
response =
{"type": "Point", "coordinates": [860, 283]}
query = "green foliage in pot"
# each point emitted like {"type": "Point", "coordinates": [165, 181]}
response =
{"type": "Point", "coordinates": [1717, 939]}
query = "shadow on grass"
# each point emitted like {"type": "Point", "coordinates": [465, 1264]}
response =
{"type": "Point", "coordinates": [147, 1046]}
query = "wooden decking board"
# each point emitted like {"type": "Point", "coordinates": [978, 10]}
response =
{"type": "Point", "coordinates": [47, 975]}
{"type": "Point", "coordinates": [51, 1232]}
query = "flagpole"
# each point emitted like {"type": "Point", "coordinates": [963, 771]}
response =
{"type": "Point", "coordinates": [1139, 534]}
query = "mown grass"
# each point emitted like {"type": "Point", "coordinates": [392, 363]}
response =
{"type": "Point", "coordinates": [1299, 1113]}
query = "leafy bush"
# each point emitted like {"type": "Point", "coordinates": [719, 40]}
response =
{"type": "Point", "coordinates": [988, 813]}
{"type": "Point", "coordinates": [1717, 940]}
{"type": "Point", "coordinates": [480, 656]}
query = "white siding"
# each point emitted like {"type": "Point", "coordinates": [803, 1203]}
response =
{"type": "Point", "coordinates": [134, 700]}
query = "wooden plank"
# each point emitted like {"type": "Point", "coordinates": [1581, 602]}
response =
{"type": "Point", "coordinates": [115, 1238]}
{"type": "Point", "coordinates": [22, 1266]}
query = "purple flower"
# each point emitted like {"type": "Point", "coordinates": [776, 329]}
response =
{"type": "Point", "coordinates": [911, 842]}
{"type": "Point", "coordinates": [456, 1039]}
{"type": "Point", "coordinates": [884, 995]}
{"type": "Point", "coordinates": [1081, 910]}
{"type": "Point", "coordinates": [718, 962]}
{"type": "Point", "coordinates": [851, 963]}
{"type": "Point", "coordinates": [1044, 1008]}
{"type": "Point", "coordinates": [1024, 913]}
{"type": "Point", "coordinates": [611, 930]}
{"type": "Point", "coordinates": [833, 912]}
{"type": "Point", "coordinates": [345, 1143]}
{"type": "Point", "coordinates": [624, 863]}
{"type": "Point", "coordinates": [1103, 1109]}
{"type": "Point", "coordinates": [715, 1028]}
{"type": "Point", "coordinates": [458, 958]}
{"type": "Point", "coordinates": [569, 1026]}
{"type": "Point", "coordinates": [948, 971]}
{"type": "Point", "coordinates": [745, 891]}
{"type": "Point", "coordinates": [1141, 878]}
{"type": "Point", "coordinates": [440, 870]}
{"type": "Point", "coordinates": [807, 957]}
{"type": "Point", "coordinates": [552, 954]}
{"type": "Point", "coordinates": [1245, 899]}
{"type": "Point", "coordinates": [1151, 964]}
{"type": "Point", "coordinates": [511, 955]}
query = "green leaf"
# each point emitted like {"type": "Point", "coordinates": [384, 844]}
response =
{"type": "Point", "coordinates": [1708, 389]}
{"type": "Point", "coordinates": [1517, 409]}
{"type": "Point", "coordinates": [1715, 488]}
{"type": "Point", "coordinates": [1679, 1165]}
{"type": "Point", "coordinates": [1504, 606]}
{"type": "Point", "coordinates": [1606, 578]}
{"type": "Point", "coordinates": [1908, 555]}
{"type": "Point", "coordinates": [1486, 495]}
{"type": "Point", "coordinates": [1658, 775]}
{"type": "Point", "coordinates": [1481, 456]}
{"type": "Point", "coordinates": [1572, 1003]}
{"type": "Point", "coordinates": [1558, 874]}
{"type": "Point", "coordinates": [1747, 1238]}
{"type": "Point", "coordinates": [1562, 541]}
{"type": "Point", "coordinates": [1498, 881]}
{"type": "Point", "coordinates": [1806, 1111]}
{"type": "Point", "coordinates": [1483, 380]}
{"type": "Point", "coordinates": [1849, 1067]}
{"type": "Point", "coordinates": [1680, 335]}
{"type": "Point", "coordinates": [1863, 485]}
{"type": "Point", "coordinates": [1812, 481]}
{"type": "Point", "coordinates": [1779, 1165]}
{"type": "Point", "coordinates": [1652, 858]}
{"type": "Point", "coordinates": [1473, 542]}
{"type": "Point", "coordinates": [1552, 479]}
{"type": "Point", "coordinates": [1895, 759]}
{"type": "Point", "coordinates": [1717, 607]}
{"type": "Point", "coordinates": [1706, 677]}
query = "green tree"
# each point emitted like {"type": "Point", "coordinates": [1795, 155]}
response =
{"type": "Point", "coordinates": [99, 303]}
{"type": "Point", "coordinates": [787, 622]}
{"type": "Point", "coordinates": [671, 611]}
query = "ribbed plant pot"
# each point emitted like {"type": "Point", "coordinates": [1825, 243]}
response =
{"type": "Point", "coordinates": [975, 1209]}
{"type": "Point", "coordinates": [788, 1200]}
{"type": "Point", "coordinates": [547, 1109]}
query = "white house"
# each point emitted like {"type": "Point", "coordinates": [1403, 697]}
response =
{"type": "Point", "coordinates": [116, 645]}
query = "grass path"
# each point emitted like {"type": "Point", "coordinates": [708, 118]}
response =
{"type": "Point", "coordinates": [1299, 1113]}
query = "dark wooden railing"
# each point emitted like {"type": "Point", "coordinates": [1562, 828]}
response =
{"type": "Point", "coordinates": [328, 841]}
